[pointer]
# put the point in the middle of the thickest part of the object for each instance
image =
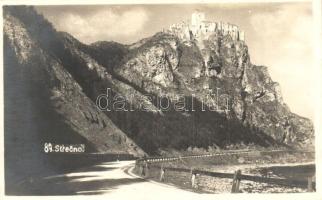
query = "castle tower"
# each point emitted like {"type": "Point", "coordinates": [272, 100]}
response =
{"type": "Point", "coordinates": [197, 18]}
{"type": "Point", "coordinates": [241, 35]}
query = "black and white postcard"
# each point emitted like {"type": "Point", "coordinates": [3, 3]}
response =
{"type": "Point", "coordinates": [142, 100]}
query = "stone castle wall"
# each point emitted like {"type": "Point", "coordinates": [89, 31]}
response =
{"type": "Point", "coordinates": [199, 28]}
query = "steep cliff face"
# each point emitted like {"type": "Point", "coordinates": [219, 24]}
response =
{"type": "Point", "coordinates": [165, 65]}
{"type": "Point", "coordinates": [218, 62]}
{"type": "Point", "coordinates": [213, 72]}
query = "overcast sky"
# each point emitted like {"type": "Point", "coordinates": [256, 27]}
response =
{"type": "Point", "coordinates": [279, 35]}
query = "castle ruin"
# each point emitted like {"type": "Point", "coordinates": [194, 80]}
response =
{"type": "Point", "coordinates": [201, 29]}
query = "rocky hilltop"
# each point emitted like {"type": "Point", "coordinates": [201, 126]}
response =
{"type": "Point", "coordinates": [55, 79]}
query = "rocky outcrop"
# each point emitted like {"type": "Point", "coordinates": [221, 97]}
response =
{"type": "Point", "coordinates": [212, 72]}
{"type": "Point", "coordinates": [198, 67]}
{"type": "Point", "coordinates": [199, 28]}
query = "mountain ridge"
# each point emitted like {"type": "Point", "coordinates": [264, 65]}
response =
{"type": "Point", "coordinates": [167, 65]}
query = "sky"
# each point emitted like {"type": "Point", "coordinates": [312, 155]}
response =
{"type": "Point", "coordinates": [278, 35]}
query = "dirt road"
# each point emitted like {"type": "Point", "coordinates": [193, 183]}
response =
{"type": "Point", "coordinates": [113, 180]}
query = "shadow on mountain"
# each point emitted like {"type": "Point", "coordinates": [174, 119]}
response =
{"type": "Point", "coordinates": [172, 129]}
{"type": "Point", "coordinates": [150, 131]}
{"type": "Point", "coordinates": [177, 131]}
{"type": "Point", "coordinates": [31, 119]}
